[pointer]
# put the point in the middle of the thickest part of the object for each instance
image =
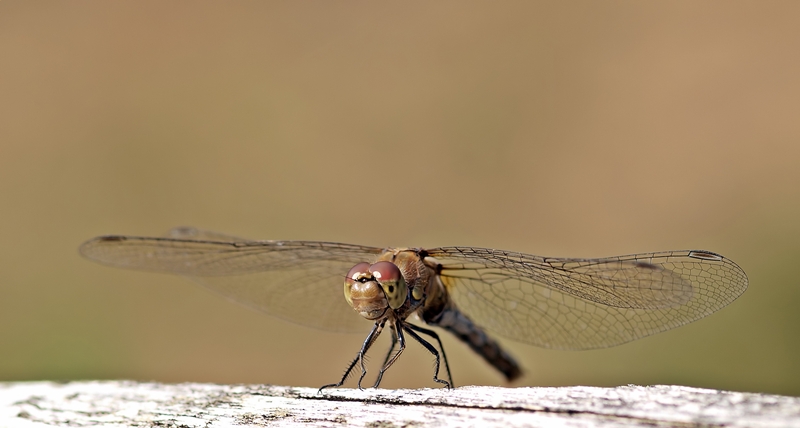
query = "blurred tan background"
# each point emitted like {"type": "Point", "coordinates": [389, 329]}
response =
{"type": "Point", "coordinates": [580, 129]}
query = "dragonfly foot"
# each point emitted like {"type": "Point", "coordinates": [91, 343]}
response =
{"type": "Point", "coordinates": [446, 383]}
{"type": "Point", "coordinates": [330, 385]}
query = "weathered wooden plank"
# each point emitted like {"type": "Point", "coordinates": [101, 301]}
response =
{"type": "Point", "coordinates": [125, 403]}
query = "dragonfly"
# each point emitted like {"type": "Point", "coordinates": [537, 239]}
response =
{"type": "Point", "coordinates": [550, 302]}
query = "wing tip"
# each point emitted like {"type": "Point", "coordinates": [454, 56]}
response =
{"type": "Point", "coordinates": [86, 249]}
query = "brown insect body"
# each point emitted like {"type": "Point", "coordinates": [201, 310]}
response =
{"type": "Point", "coordinates": [428, 298]}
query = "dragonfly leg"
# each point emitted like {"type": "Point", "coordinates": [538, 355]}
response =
{"type": "Point", "coordinates": [432, 350]}
{"type": "Point", "coordinates": [433, 334]}
{"type": "Point", "coordinates": [371, 337]}
{"type": "Point", "coordinates": [388, 355]}
{"type": "Point", "coordinates": [397, 329]}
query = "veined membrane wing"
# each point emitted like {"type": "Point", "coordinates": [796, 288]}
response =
{"type": "Point", "coordinates": [550, 302]}
{"type": "Point", "coordinates": [586, 303]}
{"type": "Point", "coordinates": [299, 281]}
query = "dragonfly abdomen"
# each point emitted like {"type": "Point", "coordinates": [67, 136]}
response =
{"type": "Point", "coordinates": [454, 321]}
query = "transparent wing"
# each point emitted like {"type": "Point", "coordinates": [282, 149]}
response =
{"type": "Point", "coordinates": [299, 281]}
{"type": "Point", "coordinates": [587, 303]}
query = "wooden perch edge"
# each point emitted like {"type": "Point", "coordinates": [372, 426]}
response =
{"type": "Point", "coordinates": [126, 403]}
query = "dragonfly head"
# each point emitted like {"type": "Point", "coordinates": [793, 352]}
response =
{"type": "Point", "coordinates": [370, 289]}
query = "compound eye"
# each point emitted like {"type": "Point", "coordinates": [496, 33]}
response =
{"type": "Point", "coordinates": [391, 280]}
{"type": "Point", "coordinates": [356, 272]}
{"type": "Point", "coordinates": [386, 272]}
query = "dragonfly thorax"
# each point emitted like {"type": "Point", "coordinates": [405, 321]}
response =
{"type": "Point", "coordinates": [371, 289]}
